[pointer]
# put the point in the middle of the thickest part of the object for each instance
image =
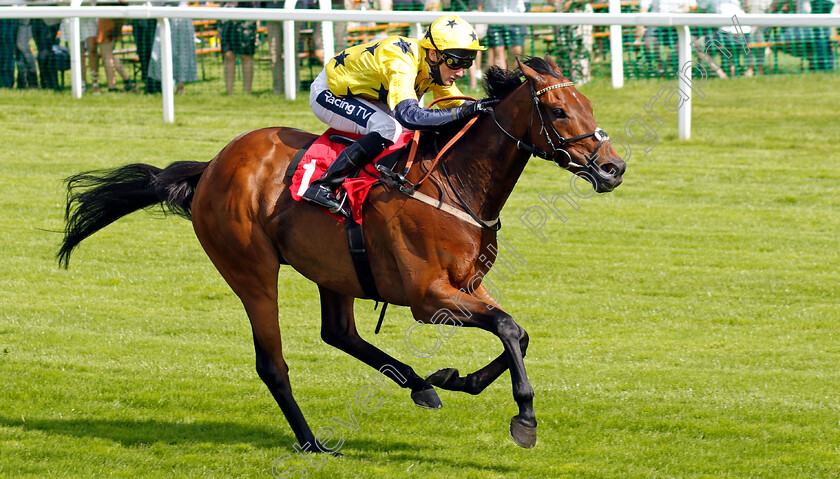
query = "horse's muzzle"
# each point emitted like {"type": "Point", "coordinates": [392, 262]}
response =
{"type": "Point", "coordinates": [605, 177]}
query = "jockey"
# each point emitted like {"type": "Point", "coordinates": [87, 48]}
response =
{"type": "Point", "coordinates": [373, 90]}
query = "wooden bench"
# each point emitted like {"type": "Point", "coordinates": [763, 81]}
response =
{"type": "Point", "coordinates": [359, 35]}
{"type": "Point", "coordinates": [777, 46]}
{"type": "Point", "coordinates": [128, 56]}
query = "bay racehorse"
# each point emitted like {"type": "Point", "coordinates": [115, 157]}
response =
{"type": "Point", "coordinates": [421, 257]}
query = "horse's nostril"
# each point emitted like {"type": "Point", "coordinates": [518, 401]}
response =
{"type": "Point", "coordinates": [614, 169]}
{"type": "Point", "coordinates": [609, 168]}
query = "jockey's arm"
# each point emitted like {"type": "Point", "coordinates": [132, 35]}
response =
{"type": "Point", "coordinates": [414, 117]}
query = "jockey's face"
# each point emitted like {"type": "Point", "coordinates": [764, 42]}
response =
{"type": "Point", "coordinates": [448, 76]}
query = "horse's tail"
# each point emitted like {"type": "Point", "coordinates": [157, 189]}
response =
{"type": "Point", "coordinates": [96, 199]}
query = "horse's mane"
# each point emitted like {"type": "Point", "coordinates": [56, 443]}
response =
{"type": "Point", "coordinates": [499, 83]}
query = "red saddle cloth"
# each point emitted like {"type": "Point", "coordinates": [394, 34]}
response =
{"type": "Point", "coordinates": [321, 155]}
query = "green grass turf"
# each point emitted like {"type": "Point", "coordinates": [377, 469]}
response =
{"type": "Point", "coordinates": [685, 325]}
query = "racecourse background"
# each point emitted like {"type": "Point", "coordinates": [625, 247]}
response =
{"type": "Point", "coordinates": [582, 51]}
{"type": "Point", "coordinates": [684, 325]}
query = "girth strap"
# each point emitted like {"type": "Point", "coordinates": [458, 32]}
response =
{"type": "Point", "coordinates": [358, 253]}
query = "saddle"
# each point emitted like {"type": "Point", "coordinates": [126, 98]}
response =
{"type": "Point", "coordinates": [312, 161]}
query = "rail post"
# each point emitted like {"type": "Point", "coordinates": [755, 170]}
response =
{"type": "Point", "coordinates": [684, 42]}
{"type": "Point", "coordinates": [76, 80]}
{"type": "Point", "coordinates": [167, 82]}
{"type": "Point", "coordinates": [289, 56]}
{"type": "Point", "coordinates": [616, 48]}
{"type": "Point", "coordinates": [327, 31]}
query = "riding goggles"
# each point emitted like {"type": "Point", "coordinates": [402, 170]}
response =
{"type": "Point", "coordinates": [458, 59]}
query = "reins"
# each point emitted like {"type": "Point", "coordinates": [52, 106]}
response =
{"type": "Point", "coordinates": [416, 140]}
{"type": "Point", "coordinates": [470, 217]}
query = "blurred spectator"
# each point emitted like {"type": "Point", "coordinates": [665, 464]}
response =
{"type": "Point", "coordinates": [657, 37]}
{"type": "Point", "coordinates": [340, 28]}
{"type": "Point", "coordinates": [574, 43]}
{"type": "Point", "coordinates": [812, 43]}
{"type": "Point", "coordinates": [407, 6]}
{"type": "Point", "coordinates": [239, 38]}
{"type": "Point", "coordinates": [87, 37]}
{"type": "Point", "coordinates": [759, 33]}
{"type": "Point", "coordinates": [144, 30]}
{"type": "Point", "coordinates": [45, 32]}
{"type": "Point", "coordinates": [110, 30]}
{"type": "Point", "coordinates": [184, 59]}
{"type": "Point", "coordinates": [27, 67]}
{"type": "Point", "coordinates": [8, 31]}
{"type": "Point", "coordinates": [504, 42]}
{"type": "Point", "coordinates": [481, 30]}
{"type": "Point", "coordinates": [274, 37]}
{"type": "Point", "coordinates": [727, 37]}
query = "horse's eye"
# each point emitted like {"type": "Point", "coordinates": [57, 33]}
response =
{"type": "Point", "coordinates": [559, 113]}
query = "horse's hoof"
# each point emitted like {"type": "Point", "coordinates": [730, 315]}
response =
{"type": "Point", "coordinates": [319, 449]}
{"type": "Point", "coordinates": [522, 434]}
{"type": "Point", "coordinates": [427, 398]}
{"type": "Point", "coordinates": [442, 378]}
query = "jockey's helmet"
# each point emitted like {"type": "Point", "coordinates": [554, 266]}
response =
{"type": "Point", "coordinates": [451, 32]}
{"type": "Point", "coordinates": [455, 39]}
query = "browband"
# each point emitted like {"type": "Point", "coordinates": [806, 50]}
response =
{"type": "Point", "coordinates": [552, 87]}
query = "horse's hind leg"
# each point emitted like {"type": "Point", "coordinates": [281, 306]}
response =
{"type": "Point", "coordinates": [248, 261]}
{"type": "Point", "coordinates": [338, 328]}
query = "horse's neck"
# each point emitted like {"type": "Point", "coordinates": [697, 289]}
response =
{"type": "Point", "coordinates": [486, 164]}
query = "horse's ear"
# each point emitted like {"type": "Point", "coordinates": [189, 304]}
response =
{"type": "Point", "coordinates": [553, 65]}
{"type": "Point", "coordinates": [535, 78]}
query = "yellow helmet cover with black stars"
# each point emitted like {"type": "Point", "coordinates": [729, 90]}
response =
{"type": "Point", "coordinates": [451, 32]}
{"type": "Point", "coordinates": [389, 71]}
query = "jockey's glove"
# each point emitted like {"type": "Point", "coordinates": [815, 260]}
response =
{"type": "Point", "coordinates": [471, 109]}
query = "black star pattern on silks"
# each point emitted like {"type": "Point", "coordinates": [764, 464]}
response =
{"type": "Point", "coordinates": [349, 93]}
{"type": "Point", "coordinates": [339, 59]}
{"type": "Point", "coordinates": [474, 36]}
{"type": "Point", "coordinates": [404, 46]}
{"type": "Point", "coordinates": [382, 93]}
{"type": "Point", "coordinates": [372, 49]}
{"type": "Point", "coordinates": [451, 23]}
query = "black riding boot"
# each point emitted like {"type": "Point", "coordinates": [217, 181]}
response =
{"type": "Point", "coordinates": [322, 191]}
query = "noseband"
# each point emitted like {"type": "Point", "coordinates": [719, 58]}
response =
{"type": "Point", "coordinates": [562, 142]}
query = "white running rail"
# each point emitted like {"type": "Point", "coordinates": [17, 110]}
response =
{"type": "Point", "coordinates": [289, 15]}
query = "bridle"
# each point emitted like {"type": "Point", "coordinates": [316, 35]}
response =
{"type": "Point", "coordinates": [552, 136]}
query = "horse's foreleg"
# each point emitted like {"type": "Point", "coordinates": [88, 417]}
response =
{"type": "Point", "coordinates": [475, 383]}
{"type": "Point", "coordinates": [338, 329]}
{"type": "Point", "coordinates": [474, 313]}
